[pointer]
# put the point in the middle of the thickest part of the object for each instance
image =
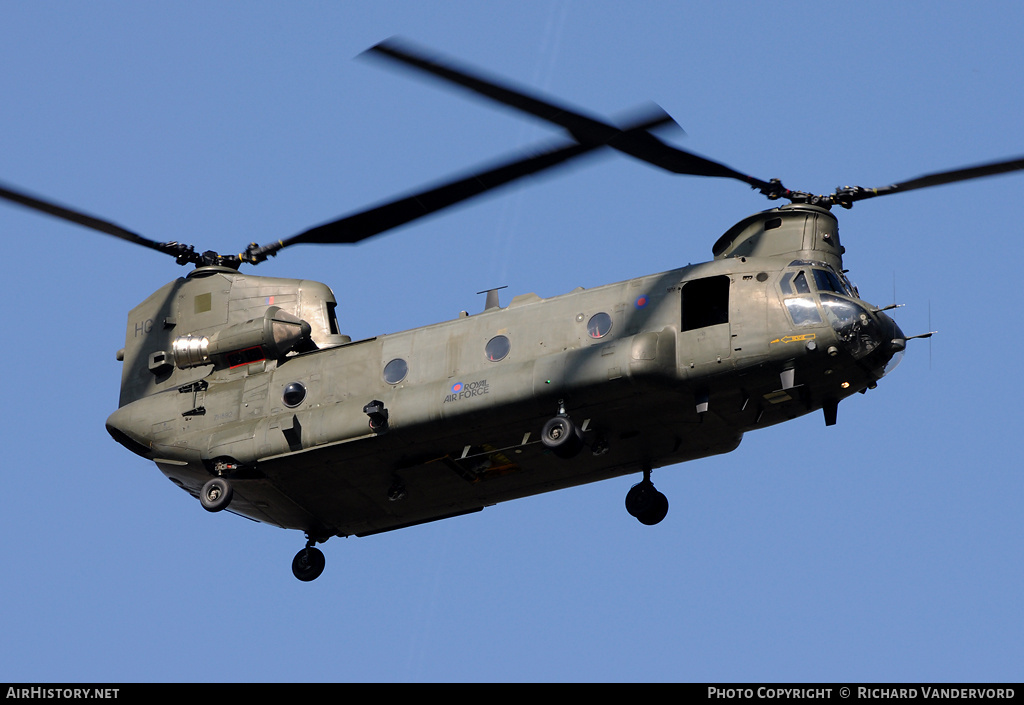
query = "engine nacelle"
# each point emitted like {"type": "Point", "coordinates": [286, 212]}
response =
{"type": "Point", "coordinates": [271, 337]}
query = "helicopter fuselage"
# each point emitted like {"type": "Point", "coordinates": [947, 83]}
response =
{"type": "Point", "coordinates": [244, 392]}
{"type": "Point", "coordinates": [334, 437]}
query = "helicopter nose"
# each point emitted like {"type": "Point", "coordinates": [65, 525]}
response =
{"type": "Point", "coordinates": [894, 344]}
{"type": "Point", "coordinates": [896, 338]}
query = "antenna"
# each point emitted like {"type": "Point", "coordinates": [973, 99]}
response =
{"type": "Point", "coordinates": [929, 339]}
{"type": "Point", "coordinates": [492, 297]}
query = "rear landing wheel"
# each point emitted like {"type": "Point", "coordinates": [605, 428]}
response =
{"type": "Point", "coordinates": [562, 437]}
{"type": "Point", "coordinates": [216, 494]}
{"type": "Point", "coordinates": [308, 564]}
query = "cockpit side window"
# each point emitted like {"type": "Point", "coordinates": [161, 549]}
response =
{"type": "Point", "coordinates": [803, 311]}
{"type": "Point", "coordinates": [794, 281]}
{"type": "Point", "coordinates": [802, 308]}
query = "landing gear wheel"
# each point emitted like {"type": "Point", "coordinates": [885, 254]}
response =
{"type": "Point", "coordinates": [216, 494]}
{"type": "Point", "coordinates": [656, 512]}
{"type": "Point", "coordinates": [308, 564]}
{"type": "Point", "coordinates": [640, 498]}
{"type": "Point", "coordinates": [562, 437]}
{"type": "Point", "coordinates": [646, 503]}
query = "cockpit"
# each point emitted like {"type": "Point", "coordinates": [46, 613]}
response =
{"type": "Point", "coordinates": [814, 294]}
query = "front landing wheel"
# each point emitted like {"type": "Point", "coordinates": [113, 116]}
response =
{"type": "Point", "coordinates": [656, 512]}
{"type": "Point", "coordinates": [646, 503]}
{"type": "Point", "coordinates": [308, 564]}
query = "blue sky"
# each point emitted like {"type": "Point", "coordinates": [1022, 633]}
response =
{"type": "Point", "coordinates": [885, 548]}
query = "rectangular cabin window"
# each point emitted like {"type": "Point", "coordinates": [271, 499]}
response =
{"type": "Point", "coordinates": [705, 302]}
{"type": "Point", "coordinates": [332, 317]}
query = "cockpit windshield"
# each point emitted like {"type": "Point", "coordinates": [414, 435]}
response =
{"type": "Point", "coordinates": [852, 324]}
{"type": "Point", "coordinates": [850, 320]}
{"type": "Point", "coordinates": [833, 301]}
{"type": "Point", "coordinates": [826, 280]}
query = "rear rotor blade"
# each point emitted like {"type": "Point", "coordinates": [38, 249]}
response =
{"type": "Point", "coordinates": [88, 221]}
{"type": "Point", "coordinates": [359, 226]}
{"type": "Point", "coordinates": [183, 254]}
{"type": "Point", "coordinates": [365, 224]}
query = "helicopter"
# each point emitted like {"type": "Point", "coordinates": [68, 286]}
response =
{"type": "Point", "coordinates": [244, 391]}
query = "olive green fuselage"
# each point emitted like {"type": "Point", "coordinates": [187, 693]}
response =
{"type": "Point", "coordinates": [655, 371]}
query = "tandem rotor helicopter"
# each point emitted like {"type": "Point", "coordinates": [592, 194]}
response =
{"type": "Point", "coordinates": [245, 393]}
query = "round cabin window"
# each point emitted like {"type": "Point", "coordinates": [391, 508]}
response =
{"type": "Point", "coordinates": [497, 348]}
{"type": "Point", "coordinates": [395, 371]}
{"type": "Point", "coordinates": [599, 325]}
{"type": "Point", "coordinates": [294, 393]}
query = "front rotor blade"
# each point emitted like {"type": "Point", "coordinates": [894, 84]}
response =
{"type": "Point", "coordinates": [965, 174]}
{"type": "Point", "coordinates": [848, 195]}
{"type": "Point", "coordinates": [583, 128]}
